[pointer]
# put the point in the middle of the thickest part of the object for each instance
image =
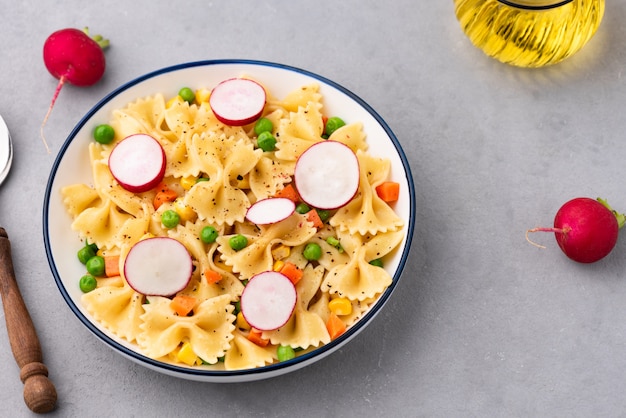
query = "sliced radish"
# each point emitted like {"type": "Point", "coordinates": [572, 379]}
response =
{"type": "Point", "coordinates": [327, 175]}
{"type": "Point", "coordinates": [237, 101]}
{"type": "Point", "coordinates": [159, 266]}
{"type": "Point", "coordinates": [138, 163]}
{"type": "Point", "coordinates": [271, 210]}
{"type": "Point", "coordinates": [268, 300]}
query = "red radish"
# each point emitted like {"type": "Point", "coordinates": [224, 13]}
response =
{"type": "Point", "coordinates": [270, 210]}
{"type": "Point", "coordinates": [327, 175]}
{"type": "Point", "coordinates": [268, 300]}
{"type": "Point", "coordinates": [138, 163]}
{"type": "Point", "coordinates": [586, 230]}
{"type": "Point", "coordinates": [237, 101]}
{"type": "Point", "coordinates": [159, 266]}
{"type": "Point", "coordinates": [72, 56]}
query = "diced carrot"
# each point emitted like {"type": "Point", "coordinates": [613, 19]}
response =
{"type": "Point", "coordinates": [292, 272]}
{"type": "Point", "coordinates": [290, 193]}
{"type": "Point", "coordinates": [212, 276]}
{"type": "Point", "coordinates": [313, 216]}
{"type": "Point", "coordinates": [163, 194]}
{"type": "Point", "coordinates": [112, 265]}
{"type": "Point", "coordinates": [255, 336]}
{"type": "Point", "coordinates": [335, 326]}
{"type": "Point", "coordinates": [183, 304]}
{"type": "Point", "coordinates": [388, 191]}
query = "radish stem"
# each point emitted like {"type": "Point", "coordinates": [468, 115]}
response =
{"type": "Point", "coordinates": [542, 229]}
{"type": "Point", "coordinates": [54, 99]}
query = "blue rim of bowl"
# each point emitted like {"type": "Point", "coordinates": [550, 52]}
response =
{"type": "Point", "coordinates": [301, 359]}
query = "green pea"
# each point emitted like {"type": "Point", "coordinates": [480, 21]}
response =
{"type": "Point", "coordinates": [266, 141]}
{"type": "Point", "coordinates": [335, 243]}
{"type": "Point", "coordinates": [95, 266]}
{"type": "Point", "coordinates": [323, 214]}
{"type": "Point", "coordinates": [170, 218]}
{"type": "Point", "coordinates": [332, 124]}
{"type": "Point", "coordinates": [285, 352]}
{"type": "Point", "coordinates": [85, 253]}
{"type": "Point", "coordinates": [187, 94]}
{"type": "Point", "coordinates": [208, 234]}
{"type": "Point", "coordinates": [302, 208]}
{"type": "Point", "coordinates": [377, 262]}
{"type": "Point", "coordinates": [263, 125]}
{"type": "Point", "coordinates": [312, 251]}
{"type": "Point", "coordinates": [238, 242]}
{"type": "Point", "coordinates": [104, 134]}
{"type": "Point", "coordinates": [87, 283]}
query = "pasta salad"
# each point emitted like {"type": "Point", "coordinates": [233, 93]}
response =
{"type": "Point", "coordinates": [214, 172]}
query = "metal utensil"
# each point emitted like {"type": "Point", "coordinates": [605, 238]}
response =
{"type": "Point", "coordinates": [39, 393]}
{"type": "Point", "coordinates": [6, 150]}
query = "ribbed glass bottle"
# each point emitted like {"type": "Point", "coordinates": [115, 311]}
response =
{"type": "Point", "coordinates": [529, 33]}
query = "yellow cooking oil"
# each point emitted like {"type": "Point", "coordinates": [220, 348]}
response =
{"type": "Point", "coordinates": [529, 33]}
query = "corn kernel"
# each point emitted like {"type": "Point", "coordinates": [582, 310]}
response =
{"type": "Point", "coordinates": [241, 322]}
{"type": "Point", "coordinates": [340, 306]}
{"type": "Point", "coordinates": [173, 355]}
{"type": "Point", "coordinates": [186, 355]}
{"type": "Point", "coordinates": [278, 265]}
{"type": "Point", "coordinates": [185, 212]}
{"type": "Point", "coordinates": [172, 101]}
{"type": "Point", "coordinates": [188, 182]}
{"type": "Point", "coordinates": [281, 252]}
{"type": "Point", "coordinates": [202, 95]}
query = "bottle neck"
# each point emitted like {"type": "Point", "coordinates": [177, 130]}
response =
{"type": "Point", "coordinates": [535, 4]}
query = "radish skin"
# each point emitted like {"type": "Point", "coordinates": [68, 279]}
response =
{"type": "Point", "coordinates": [138, 163]}
{"type": "Point", "coordinates": [327, 175]}
{"type": "Point", "coordinates": [268, 300]}
{"type": "Point", "coordinates": [270, 210]}
{"type": "Point", "coordinates": [237, 101]}
{"type": "Point", "coordinates": [586, 230]}
{"type": "Point", "coordinates": [72, 56]}
{"type": "Point", "coordinates": [158, 266]}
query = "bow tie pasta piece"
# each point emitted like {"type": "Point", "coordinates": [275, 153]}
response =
{"type": "Point", "coordinates": [304, 329]}
{"type": "Point", "coordinates": [145, 115]}
{"type": "Point", "coordinates": [188, 122]}
{"type": "Point", "coordinates": [297, 98]}
{"type": "Point", "coordinates": [116, 306]}
{"type": "Point", "coordinates": [244, 354]}
{"type": "Point", "coordinates": [209, 330]}
{"type": "Point", "coordinates": [257, 255]}
{"type": "Point", "coordinates": [78, 197]}
{"type": "Point", "coordinates": [358, 279]}
{"type": "Point", "coordinates": [352, 135]}
{"type": "Point", "coordinates": [269, 176]}
{"type": "Point", "coordinates": [107, 227]}
{"type": "Point", "coordinates": [296, 133]}
{"type": "Point", "coordinates": [217, 200]}
{"type": "Point", "coordinates": [367, 213]}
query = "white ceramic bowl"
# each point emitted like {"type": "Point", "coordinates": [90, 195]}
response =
{"type": "Point", "coordinates": [72, 166]}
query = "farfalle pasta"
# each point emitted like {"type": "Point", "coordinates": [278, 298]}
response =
{"type": "Point", "coordinates": [214, 173]}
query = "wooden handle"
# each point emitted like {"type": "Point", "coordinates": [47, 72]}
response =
{"type": "Point", "coordinates": [39, 392]}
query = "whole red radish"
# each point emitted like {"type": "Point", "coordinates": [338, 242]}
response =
{"type": "Point", "coordinates": [585, 229]}
{"type": "Point", "coordinates": [72, 56]}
